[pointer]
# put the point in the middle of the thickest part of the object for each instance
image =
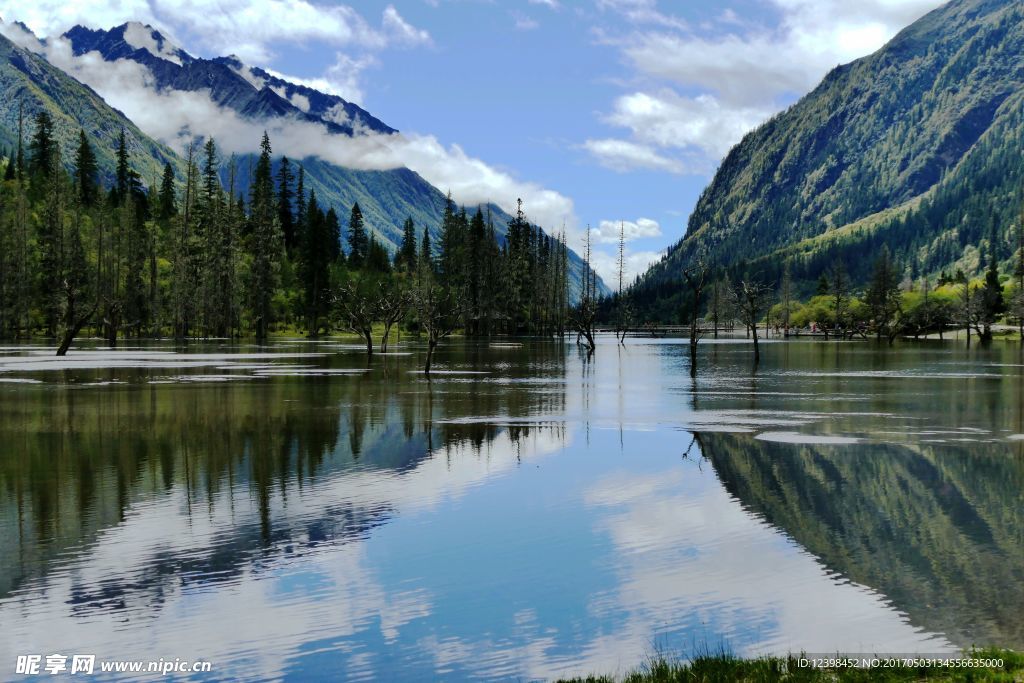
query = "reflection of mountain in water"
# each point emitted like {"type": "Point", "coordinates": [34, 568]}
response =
{"type": "Point", "coordinates": [272, 468]}
{"type": "Point", "coordinates": [937, 529]}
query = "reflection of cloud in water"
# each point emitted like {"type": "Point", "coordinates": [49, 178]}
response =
{"type": "Point", "coordinates": [252, 620]}
{"type": "Point", "coordinates": [698, 551]}
{"type": "Point", "coordinates": [796, 437]}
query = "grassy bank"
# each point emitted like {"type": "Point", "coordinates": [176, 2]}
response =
{"type": "Point", "coordinates": [728, 668]}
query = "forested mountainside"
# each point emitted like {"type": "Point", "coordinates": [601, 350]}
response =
{"type": "Point", "coordinates": [386, 197]}
{"type": "Point", "coordinates": [29, 84]}
{"type": "Point", "coordinates": [917, 146]}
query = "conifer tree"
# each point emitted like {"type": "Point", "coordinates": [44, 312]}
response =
{"type": "Point", "coordinates": [265, 244]}
{"type": "Point", "coordinates": [314, 267]}
{"type": "Point", "coordinates": [405, 259]}
{"type": "Point", "coordinates": [333, 226]}
{"type": "Point", "coordinates": [42, 147]}
{"type": "Point", "coordinates": [85, 171]}
{"type": "Point", "coordinates": [358, 243]}
{"type": "Point", "coordinates": [167, 204]}
{"type": "Point", "coordinates": [121, 189]}
{"type": "Point", "coordinates": [285, 177]}
{"type": "Point", "coordinates": [51, 229]}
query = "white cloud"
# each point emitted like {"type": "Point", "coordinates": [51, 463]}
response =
{"type": "Point", "coordinates": [734, 80]}
{"type": "Point", "coordinates": [343, 78]}
{"type": "Point", "coordinates": [667, 120]}
{"type": "Point", "coordinates": [607, 265]}
{"type": "Point", "coordinates": [175, 117]}
{"type": "Point", "coordinates": [551, 4]}
{"type": "Point", "coordinates": [523, 22]}
{"type": "Point", "coordinates": [141, 37]}
{"type": "Point", "coordinates": [248, 29]}
{"type": "Point", "coordinates": [623, 155]}
{"type": "Point", "coordinates": [607, 232]}
{"type": "Point", "coordinates": [761, 64]}
{"type": "Point", "coordinates": [642, 12]}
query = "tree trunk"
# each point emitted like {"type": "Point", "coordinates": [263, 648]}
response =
{"type": "Point", "coordinates": [985, 335]}
{"type": "Point", "coordinates": [384, 339]}
{"type": "Point", "coordinates": [431, 345]}
{"type": "Point", "coordinates": [71, 331]}
{"type": "Point", "coordinates": [368, 336]}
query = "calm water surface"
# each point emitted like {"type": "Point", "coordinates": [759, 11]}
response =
{"type": "Point", "coordinates": [291, 512]}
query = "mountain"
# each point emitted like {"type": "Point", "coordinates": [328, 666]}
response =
{"type": "Point", "coordinates": [917, 146]}
{"type": "Point", "coordinates": [252, 92]}
{"type": "Point", "coordinates": [28, 80]}
{"type": "Point", "coordinates": [386, 197]}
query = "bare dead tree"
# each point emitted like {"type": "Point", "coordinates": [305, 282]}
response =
{"type": "Point", "coordinates": [357, 307]}
{"type": "Point", "coordinates": [751, 301]}
{"type": "Point", "coordinates": [696, 280]}
{"type": "Point", "coordinates": [392, 306]}
{"type": "Point", "coordinates": [584, 313]}
{"type": "Point", "coordinates": [437, 313]}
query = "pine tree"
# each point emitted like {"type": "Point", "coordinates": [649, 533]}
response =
{"type": "Point", "coordinates": [992, 303]}
{"type": "Point", "coordinates": [883, 296]}
{"type": "Point", "coordinates": [426, 260]}
{"type": "Point", "coordinates": [20, 158]}
{"type": "Point", "coordinates": [285, 177]}
{"type": "Point", "coordinates": [333, 235]}
{"type": "Point", "coordinates": [167, 204]}
{"type": "Point", "coordinates": [265, 244]}
{"type": "Point", "coordinates": [51, 232]}
{"type": "Point", "coordinates": [314, 265]}
{"type": "Point", "coordinates": [85, 171]}
{"type": "Point", "coordinates": [121, 189]}
{"type": "Point", "coordinates": [300, 197]}
{"type": "Point", "coordinates": [42, 147]}
{"type": "Point", "coordinates": [357, 239]}
{"type": "Point", "coordinates": [405, 259]}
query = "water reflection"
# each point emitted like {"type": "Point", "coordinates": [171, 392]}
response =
{"type": "Point", "coordinates": [936, 528]}
{"type": "Point", "coordinates": [292, 512]}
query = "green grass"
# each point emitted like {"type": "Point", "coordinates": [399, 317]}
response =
{"type": "Point", "coordinates": [712, 668]}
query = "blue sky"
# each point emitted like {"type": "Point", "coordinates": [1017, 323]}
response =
{"type": "Point", "coordinates": [597, 112]}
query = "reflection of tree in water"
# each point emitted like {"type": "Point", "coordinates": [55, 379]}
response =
{"type": "Point", "coordinates": [73, 462]}
{"type": "Point", "coordinates": [935, 528]}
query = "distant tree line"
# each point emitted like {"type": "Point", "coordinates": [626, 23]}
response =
{"type": "Point", "coordinates": [201, 259]}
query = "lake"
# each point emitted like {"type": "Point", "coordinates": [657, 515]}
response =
{"type": "Point", "coordinates": [293, 512]}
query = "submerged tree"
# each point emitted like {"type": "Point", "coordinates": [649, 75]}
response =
{"type": "Point", "coordinates": [751, 300]}
{"type": "Point", "coordinates": [696, 278]}
{"type": "Point", "coordinates": [584, 314]}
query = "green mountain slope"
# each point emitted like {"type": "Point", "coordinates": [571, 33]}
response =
{"type": "Point", "coordinates": [917, 145]}
{"type": "Point", "coordinates": [29, 81]}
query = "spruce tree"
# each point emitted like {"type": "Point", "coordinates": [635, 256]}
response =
{"type": "Point", "coordinates": [85, 171]}
{"type": "Point", "coordinates": [285, 177]}
{"type": "Point", "coordinates": [333, 226]}
{"type": "Point", "coordinates": [167, 204]}
{"type": "Point", "coordinates": [314, 266]}
{"type": "Point", "coordinates": [405, 259]}
{"type": "Point", "coordinates": [50, 235]}
{"type": "Point", "coordinates": [300, 198]}
{"type": "Point", "coordinates": [358, 242]}
{"type": "Point", "coordinates": [121, 189]}
{"type": "Point", "coordinates": [265, 244]}
{"type": "Point", "coordinates": [42, 147]}
{"type": "Point", "coordinates": [426, 259]}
